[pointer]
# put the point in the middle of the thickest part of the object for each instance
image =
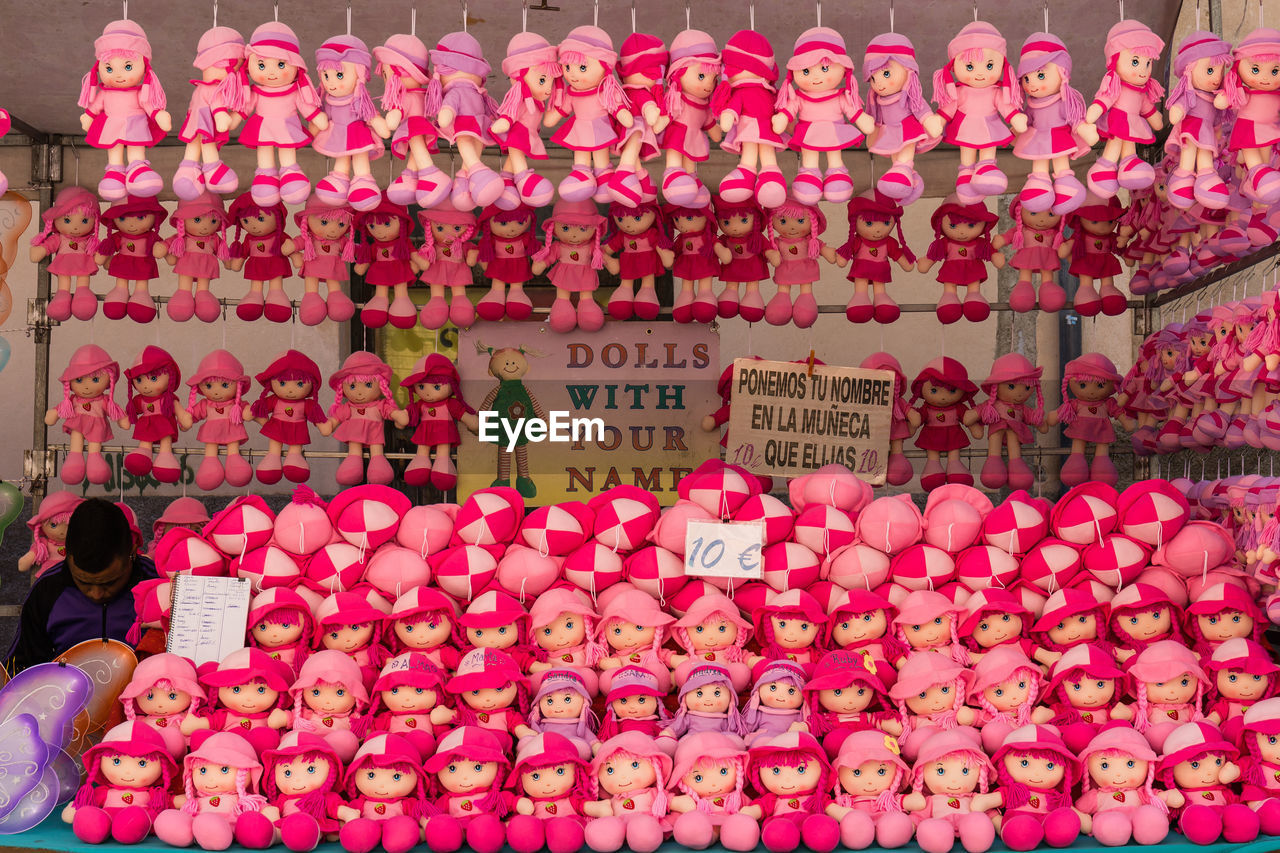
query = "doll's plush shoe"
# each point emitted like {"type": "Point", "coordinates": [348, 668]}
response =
{"type": "Point", "coordinates": [181, 307]}
{"type": "Point", "coordinates": [141, 180]}
{"type": "Point", "coordinates": [1140, 282]}
{"type": "Point", "coordinates": [1134, 173]}
{"type": "Point", "coordinates": [1261, 231]}
{"type": "Point", "coordinates": [404, 189]}
{"type": "Point", "coordinates": [492, 307]}
{"type": "Point", "coordinates": [590, 314]}
{"type": "Point", "coordinates": [958, 473]}
{"type": "Point", "coordinates": [96, 471]}
{"type": "Point", "coordinates": [899, 469]}
{"type": "Point", "coordinates": [59, 307]}
{"type": "Point", "coordinates": [1181, 186]}
{"type": "Point", "coordinates": [1087, 302]}
{"type": "Point", "coordinates": [679, 187]}
{"type": "Point", "coordinates": [1075, 470]}
{"type": "Point", "coordinates": [703, 197]}
{"type": "Point", "coordinates": [646, 305]}
{"type": "Point", "coordinates": [111, 187]}
{"type": "Point", "coordinates": [461, 312]}
{"type": "Point", "coordinates": [339, 307]}
{"type": "Point", "coordinates": [1240, 824]}
{"type": "Point", "coordinates": [220, 178]}
{"type": "Point", "coordinates": [332, 189]}
{"type": "Point", "coordinates": [265, 189]}
{"type": "Point", "coordinates": [294, 186]}
{"type": "Point", "coordinates": [1068, 193]}
{"type": "Point", "coordinates": [563, 318]}
{"type": "Point", "coordinates": [1037, 193]}
{"type": "Point", "coordinates": [704, 306]}
{"type": "Point", "coordinates": [751, 307]}
{"type": "Point", "coordinates": [1103, 179]}
{"type": "Point", "coordinates": [115, 305]}
{"type": "Point", "coordinates": [727, 302]}
{"type": "Point", "coordinates": [737, 186]}
{"type": "Point", "coordinates": [435, 313]}
{"type": "Point", "coordinates": [648, 189]}
{"type": "Point", "coordinates": [1177, 262]}
{"type": "Point", "coordinates": [1103, 470]}
{"type": "Point", "coordinates": [374, 313]}
{"type": "Point", "coordinates": [350, 470]}
{"type": "Point", "coordinates": [1023, 297]}
{"type": "Point", "coordinates": [210, 474]}
{"type": "Point", "coordinates": [276, 307]}
{"type": "Point", "coordinates": [269, 470]}
{"type": "Point", "coordinates": [994, 473]}
{"type": "Point", "coordinates": [1113, 301]}
{"type": "Point", "coordinates": [804, 313]}
{"type": "Point", "coordinates": [578, 185]}
{"type": "Point", "coordinates": [138, 463]}
{"type": "Point", "coordinates": [460, 193]}
{"type": "Point", "coordinates": [988, 180]}
{"type": "Point", "coordinates": [933, 475]}
{"type": "Point", "coordinates": [604, 177]}
{"type": "Point", "coordinates": [73, 467]}
{"type": "Point", "coordinates": [1253, 433]}
{"type": "Point", "coordinates": [1233, 438]}
{"type": "Point", "coordinates": [837, 186]}
{"type": "Point", "coordinates": [403, 314]}
{"type": "Point", "coordinates": [444, 475]}
{"type": "Point", "coordinates": [485, 184]}
{"type": "Point", "coordinates": [885, 310]}
{"type": "Point", "coordinates": [682, 307]}
{"type": "Point", "coordinates": [622, 304]}
{"type": "Point", "coordinates": [693, 830]}
{"type": "Point", "coordinates": [254, 830]}
{"type": "Point", "coordinates": [771, 188]}
{"type": "Point", "coordinates": [418, 474]}
{"type": "Point", "coordinates": [238, 470]}
{"type": "Point", "coordinates": [510, 198]}
{"type": "Point", "coordinates": [211, 832]}
{"type": "Point", "coordinates": [296, 469]}
{"type": "Point", "coordinates": [1262, 184]}
{"type": "Point", "coordinates": [363, 193]}
{"type": "Point", "coordinates": [434, 186]}
{"type": "Point", "coordinates": [518, 307]}
{"type": "Point", "coordinates": [1021, 832]}
{"type": "Point", "coordinates": [84, 303]}
{"type": "Point", "coordinates": [380, 472]}
{"type": "Point", "coordinates": [949, 309]}
{"type": "Point", "coordinates": [917, 190]}
{"type": "Point", "coordinates": [188, 180]}
{"type": "Point", "coordinates": [1020, 475]}
{"type": "Point", "coordinates": [896, 183]}
{"type": "Point", "coordinates": [1052, 296]}
{"type": "Point", "coordinates": [976, 308]}
{"type": "Point", "coordinates": [965, 193]}
{"type": "Point", "coordinates": [166, 468]}
{"type": "Point", "coordinates": [312, 310]}
{"type": "Point", "coordinates": [778, 311]}
{"type": "Point", "coordinates": [141, 307]}
{"type": "Point", "coordinates": [533, 189]}
{"type": "Point", "coordinates": [859, 309]}
{"type": "Point", "coordinates": [807, 187]}
{"type": "Point", "coordinates": [1167, 439]}
{"type": "Point", "coordinates": [91, 824]}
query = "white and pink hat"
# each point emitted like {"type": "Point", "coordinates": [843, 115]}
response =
{"type": "Point", "coordinates": [407, 53]}
{"type": "Point", "coordinates": [1084, 660]}
{"type": "Point", "coordinates": [953, 517]}
{"type": "Point", "coordinates": [303, 527]}
{"type": "Point", "coordinates": [1242, 654]}
{"type": "Point", "coordinates": [494, 609]}
{"type": "Point", "coordinates": [830, 485]}
{"type": "Point", "coordinates": [1085, 514]}
{"type": "Point", "coordinates": [923, 670]}
{"type": "Point", "coordinates": [180, 551]}
{"type": "Point", "coordinates": [891, 524]}
{"type": "Point", "coordinates": [558, 528]}
{"type": "Point", "coordinates": [990, 601]}
{"type": "Point", "coordinates": [925, 605]}
{"type": "Point", "coordinates": [1193, 739]}
{"type": "Point", "coordinates": [1116, 560]}
{"type": "Point", "coordinates": [484, 669]}
{"type": "Point", "coordinates": [244, 524]}
{"type": "Point", "coordinates": [1033, 738]}
{"type": "Point", "coordinates": [464, 570]}
{"type": "Point", "coordinates": [368, 515]}
{"type": "Point", "coordinates": [1069, 602]}
{"type": "Point", "coordinates": [824, 529]}
{"type": "Point", "coordinates": [1224, 596]}
{"type": "Point", "coordinates": [1166, 660]}
{"type": "Point", "coordinates": [268, 567]}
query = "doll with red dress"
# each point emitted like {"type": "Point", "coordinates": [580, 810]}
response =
{"type": "Point", "coordinates": [129, 253]}
{"type": "Point", "coordinates": [385, 260]}
{"type": "Point", "coordinates": [1092, 248]}
{"type": "Point", "coordinates": [899, 469]}
{"type": "Point", "coordinates": [869, 249]}
{"type": "Point", "coordinates": [290, 400]}
{"type": "Point", "coordinates": [508, 241]}
{"type": "Point", "coordinates": [1088, 407]}
{"type": "Point", "coordinates": [695, 263]}
{"type": "Point", "coordinates": [637, 251]}
{"type": "Point", "coordinates": [434, 412]}
{"type": "Point", "coordinates": [1035, 239]}
{"type": "Point", "coordinates": [261, 249]}
{"type": "Point", "coordinates": [740, 250]}
{"type": "Point", "coordinates": [963, 245]}
{"type": "Point", "coordinates": [153, 408]}
{"type": "Point", "coordinates": [945, 391]}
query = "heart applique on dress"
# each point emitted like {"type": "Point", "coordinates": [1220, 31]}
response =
{"type": "Point", "coordinates": [632, 244]}
{"type": "Point", "coordinates": [1093, 410]}
{"type": "Point", "coordinates": [360, 411]}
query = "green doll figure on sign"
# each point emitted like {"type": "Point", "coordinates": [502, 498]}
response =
{"type": "Point", "coordinates": [514, 404]}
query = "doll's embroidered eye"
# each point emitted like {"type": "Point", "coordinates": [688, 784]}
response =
{"type": "Point", "coordinates": [418, 690]}
{"type": "Point", "coordinates": [235, 689]}
{"type": "Point", "coordinates": [1185, 682]}
{"type": "Point", "coordinates": [999, 691]}
{"type": "Point", "coordinates": [1102, 685]}
{"type": "Point", "coordinates": [262, 691]}
{"type": "Point", "coordinates": [1129, 764]}
{"type": "Point", "coordinates": [315, 692]}
{"type": "Point", "coordinates": [777, 771]}
{"type": "Point", "coordinates": [968, 66]}
{"type": "Point", "coordinates": [1025, 763]}
{"type": "Point", "coordinates": [946, 690]}
{"type": "Point", "coordinates": [635, 765]}
{"type": "Point", "coordinates": [204, 770]}
{"type": "Point", "coordinates": [116, 761]}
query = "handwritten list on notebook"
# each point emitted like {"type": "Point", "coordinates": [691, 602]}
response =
{"type": "Point", "coordinates": [208, 617]}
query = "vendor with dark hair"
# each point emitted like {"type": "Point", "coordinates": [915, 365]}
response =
{"type": "Point", "coordinates": [89, 594]}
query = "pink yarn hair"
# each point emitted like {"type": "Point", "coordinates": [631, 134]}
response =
{"type": "Point", "coordinates": [652, 656]}
{"type": "Point", "coordinates": [1017, 794]}
{"type": "Point", "coordinates": [735, 721]}
{"type": "Point", "coordinates": [733, 801]}
{"type": "Point", "coordinates": [1253, 770]}
{"type": "Point", "coordinates": [339, 399]}
{"type": "Point", "coordinates": [236, 415]}
{"type": "Point", "coordinates": [945, 85]}
{"type": "Point", "coordinates": [610, 94]}
{"type": "Point", "coordinates": [347, 246]}
{"type": "Point", "coordinates": [755, 243]}
{"type": "Point", "coordinates": [232, 91]}
{"type": "Point", "coordinates": [393, 93]}
{"type": "Point", "coordinates": [458, 245]}
{"type": "Point", "coordinates": [178, 242]}
{"type": "Point", "coordinates": [1232, 85]}
{"type": "Point", "coordinates": [312, 803]}
{"type": "Point", "coordinates": [989, 409]}
{"type": "Point", "coordinates": [246, 800]}
{"type": "Point", "coordinates": [1147, 793]}
{"type": "Point", "coordinates": [794, 208]}
{"type": "Point", "coordinates": [416, 805]}
{"type": "Point", "coordinates": [1067, 411]}
{"type": "Point", "coordinates": [48, 240]}
{"type": "Point", "coordinates": [982, 248]}
{"type": "Point", "coordinates": [66, 408]}
{"type": "Point", "coordinates": [361, 102]}
{"type": "Point", "coordinates": [150, 95]}
{"type": "Point", "coordinates": [547, 254]}
{"type": "Point", "coordinates": [854, 243]}
{"type": "Point", "coordinates": [674, 101]}
{"type": "Point", "coordinates": [263, 406]}
{"type": "Point", "coordinates": [40, 542]}
{"type": "Point", "coordinates": [1116, 627]}
{"type": "Point", "coordinates": [769, 647]}
{"type": "Point", "coordinates": [1203, 646]}
{"type": "Point", "coordinates": [958, 653]}
{"type": "Point", "coordinates": [435, 96]}
{"type": "Point", "coordinates": [1109, 88]}
{"type": "Point", "coordinates": [944, 719]}
{"type": "Point", "coordinates": [584, 787]}
{"type": "Point", "coordinates": [468, 716]}
{"type": "Point", "coordinates": [401, 247]}
{"type": "Point", "coordinates": [791, 758]}
{"type": "Point", "coordinates": [789, 97]}
{"type": "Point", "coordinates": [157, 795]}
{"type": "Point", "coordinates": [912, 91]}
{"type": "Point", "coordinates": [488, 248]}
{"type": "Point", "coordinates": [1142, 722]}
{"type": "Point", "coordinates": [1166, 776]}
{"type": "Point", "coordinates": [822, 721]}
{"type": "Point", "coordinates": [1073, 108]}
{"type": "Point", "coordinates": [973, 759]}
{"type": "Point", "coordinates": [168, 399]}
{"type": "Point", "coordinates": [162, 684]}
{"type": "Point", "coordinates": [520, 101]}
{"type": "Point", "coordinates": [1184, 92]}
{"type": "Point", "coordinates": [656, 233]}
{"type": "Point", "coordinates": [1021, 715]}
{"type": "Point", "coordinates": [659, 807]}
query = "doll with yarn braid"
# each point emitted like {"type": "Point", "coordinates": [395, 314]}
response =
{"type": "Point", "coordinates": [217, 105]}
{"type": "Point", "coordinates": [535, 72]}
{"type": "Point", "coordinates": [404, 65]}
{"type": "Point", "coordinates": [70, 239]}
{"type": "Point", "coordinates": [1125, 111]}
{"type": "Point", "coordinates": [87, 409]}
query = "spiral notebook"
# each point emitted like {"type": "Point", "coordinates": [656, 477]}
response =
{"type": "Point", "coordinates": [207, 617]}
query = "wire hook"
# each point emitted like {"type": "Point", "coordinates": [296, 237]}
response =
{"type": "Point", "coordinates": [524, 16]}
{"type": "Point", "coordinates": [751, 11]}
{"type": "Point", "coordinates": [464, 15]}
{"type": "Point", "coordinates": [817, 9]}
{"type": "Point", "coordinates": [1046, 16]}
{"type": "Point", "coordinates": [688, 12]}
{"type": "Point", "coordinates": [215, 13]}
{"type": "Point", "coordinates": [595, 13]}
{"type": "Point", "coordinates": [348, 17]}
{"type": "Point", "coordinates": [891, 29]}
{"type": "Point", "coordinates": [975, 11]}
{"type": "Point", "coordinates": [413, 21]}
{"type": "Point", "coordinates": [633, 16]}
{"type": "Point", "coordinates": [276, 10]}
{"type": "Point", "coordinates": [1121, 2]}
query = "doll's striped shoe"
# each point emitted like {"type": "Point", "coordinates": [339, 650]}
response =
{"type": "Point", "coordinates": [704, 306]}
{"type": "Point", "coordinates": [1068, 193]}
{"type": "Point", "coordinates": [1102, 179]}
{"type": "Point", "coordinates": [188, 180]}
{"type": "Point", "coordinates": [403, 190]}
{"type": "Point", "coordinates": [220, 178]}
{"type": "Point", "coordinates": [1181, 186]}
{"type": "Point", "coordinates": [1210, 190]}
{"type": "Point", "coordinates": [1037, 193]}
{"type": "Point", "coordinates": [492, 307]}
{"type": "Point", "coordinates": [510, 198]}
{"type": "Point", "coordinates": [374, 313]}
{"type": "Point", "coordinates": [141, 180]}
{"type": "Point", "coordinates": [752, 307]}
{"type": "Point", "coordinates": [332, 189]}
{"type": "Point", "coordinates": [1113, 302]}
{"type": "Point", "coordinates": [604, 177]}
{"type": "Point", "coordinates": [727, 301]}
{"type": "Point", "coordinates": [622, 303]}
{"type": "Point", "coordinates": [837, 186]}
{"type": "Point", "coordinates": [965, 193]}
{"type": "Point", "coordinates": [648, 189]}
{"type": "Point", "coordinates": [771, 188]}
{"type": "Point", "coordinates": [679, 187]}
{"type": "Point", "coordinates": [807, 187]}
{"type": "Point", "coordinates": [737, 186]}
{"type": "Point", "coordinates": [485, 185]}
{"type": "Point", "coordinates": [896, 183]}
{"type": "Point", "coordinates": [625, 189]}
{"type": "Point", "coordinates": [265, 189]}
{"type": "Point", "coordinates": [111, 187]}
{"type": "Point", "coordinates": [535, 190]}
{"type": "Point", "coordinates": [1134, 173]}
{"type": "Point", "coordinates": [988, 180]}
{"type": "Point", "coordinates": [363, 193]}
{"type": "Point", "coordinates": [433, 186]}
{"type": "Point", "coordinates": [578, 185]}
{"type": "Point", "coordinates": [249, 308]}
{"type": "Point", "coordinates": [682, 307]}
{"type": "Point", "coordinates": [1262, 184]}
{"type": "Point", "coordinates": [460, 194]}
{"type": "Point", "coordinates": [294, 186]}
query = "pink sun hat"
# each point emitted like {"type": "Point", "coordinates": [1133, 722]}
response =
{"type": "Point", "coordinates": [925, 605]}
{"type": "Point", "coordinates": [461, 52]}
{"type": "Point", "coordinates": [527, 50]}
{"type": "Point", "coordinates": [134, 738]}
{"type": "Point", "coordinates": [124, 37]}
{"type": "Point", "coordinates": [843, 667]}
{"type": "Point", "coordinates": [1122, 738]}
{"type": "Point", "coordinates": [182, 510]}
{"type": "Point", "coordinates": [1068, 602]}
{"type": "Point", "coordinates": [220, 364]}
{"type": "Point", "coordinates": [228, 749]}
{"type": "Point", "coordinates": [977, 35]}
{"type": "Point", "coordinates": [1199, 45]}
{"type": "Point", "coordinates": [870, 745]}
{"type": "Point", "coordinates": [546, 749]}
{"type": "Point", "coordinates": [218, 45]}
{"type": "Point", "coordinates": [407, 53]}
{"type": "Point", "coordinates": [175, 669]}
{"type": "Point", "coordinates": [697, 746]}
{"type": "Point", "coordinates": [894, 46]}
{"type": "Point", "coordinates": [360, 363]}
{"type": "Point", "coordinates": [1224, 596]}
{"type": "Point", "coordinates": [561, 599]}
{"type": "Point", "coordinates": [87, 360]}
{"type": "Point", "coordinates": [922, 670]}
{"type": "Point", "coordinates": [998, 665]}
{"type": "Point", "coordinates": [1131, 34]}
{"type": "Point", "coordinates": [1039, 50]}
{"type": "Point", "coordinates": [637, 744]}
{"type": "Point", "coordinates": [493, 609]}
{"type": "Point", "coordinates": [1191, 739]}
{"type": "Point", "coordinates": [484, 669]}
{"type": "Point", "coordinates": [987, 601]}
{"type": "Point", "coordinates": [1139, 596]}
{"type": "Point", "coordinates": [274, 40]}
{"type": "Point", "coordinates": [642, 53]}
{"type": "Point", "coordinates": [469, 743]}
{"type": "Point", "coordinates": [1011, 367]}
{"type": "Point", "coordinates": [1164, 660]}
{"type": "Point", "coordinates": [791, 601]}
{"type": "Point", "coordinates": [704, 607]}
{"type": "Point", "coordinates": [244, 665]}
{"type": "Point", "coordinates": [1086, 658]}
{"type": "Point", "coordinates": [1243, 654]}
{"type": "Point", "coordinates": [344, 48]}
{"type": "Point", "coordinates": [816, 44]}
{"type": "Point", "coordinates": [1034, 738]}
{"type": "Point", "coordinates": [1263, 41]}
{"type": "Point", "coordinates": [634, 605]}
{"type": "Point", "coordinates": [1263, 717]}
{"type": "Point", "coordinates": [946, 742]}
{"type": "Point", "coordinates": [592, 42]}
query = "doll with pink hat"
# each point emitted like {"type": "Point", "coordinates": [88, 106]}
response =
{"type": "Point", "coordinates": [385, 257]}
{"type": "Point", "coordinates": [344, 65]}
{"type": "Point", "coordinates": [153, 408]}
{"type": "Point", "coordinates": [445, 259]}
{"type": "Point", "coordinates": [128, 253]}
{"type": "Point", "coordinates": [904, 124]}
{"type": "Point", "coordinates": [289, 401]}
{"type": "Point", "coordinates": [217, 386]}
{"type": "Point", "coordinates": [425, 620]}
{"type": "Point", "coordinates": [777, 704]}
{"type": "Point", "coordinates": [248, 698]}
{"type": "Point", "coordinates": [329, 699]}
{"type": "Point", "coordinates": [710, 773]}
{"type": "Point", "coordinates": [281, 624]}
{"type": "Point", "coordinates": [994, 618]}
{"type": "Point", "coordinates": [571, 252]}
{"type": "Point", "coordinates": [508, 243]}
{"type": "Point", "coordinates": [633, 775]}
{"type": "Point", "coordinates": [352, 624]}
{"type": "Point", "coordinates": [409, 700]}
{"type": "Point", "coordinates": [124, 110]}
{"type": "Point", "coordinates": [1142, 614]}
{"type": "Point", "coordinates": [1199, 762]}
{"type": "Point", "coordinates": [562, 705]}
{"type": "Point", "coordinates": [261, 250]}
{"type": "Point", "coordinates": [869, 249]}
{"type": "Point", "coordinates": [929, 621]}
{"type": "Point", "coordinates": [963, 244]}
{"type": "Point", "coordinates": [1243, 674]}
{"type": "Point", "coordinates": [69, 237]}
{"type": "Point", "coordinates": [491, 693]}
{"type": "Point", "coordinates": [1260, 736]}
{"type": "Point", "coordinates": [280, 98]}
{"type": "Point", "coordinates": [463, 112]}
{"type": "Point", "coordinates": [944, 391]}
{"type": "Point", "coordinates": [861, 621]}
{"type": "Point", "coordinates": [869, 777]}
{"type": "Point", "coordinates": [326, 244]}
{"type": "Point", "coordinates": [712, 630]}
{"type": "Point", "coordinates": [794, 780]}
{"type": "Point", "coordinates": [553, 783]}
{"type": "Point", "coordinates": [128, 777]}
{"type": "Point", "coordinates": [1116, 789]}
{"type": "Point", "coordinates": [87, 409]}
{"type": "Point", "coordinates": [1254, 93]}
{"type": "Point", "coordinates": [847, 693]}
{"type": "Point", "coordinates": [562, 622]}
{"type": "Point", "coordinates": [1125, 109]}
{"type": "Point", "coordinates": [642, 62]}
{"type": "Point", "coordinates": [1056, 133]}
{"type": "Point", "coordinates": [195, 252]}
{"type": "Point", "coordinates": [1006, 686]}
{"type": "Point", "coordinates": [1071, 617]}
{"type": "Point", "coordinates": [793, 249]}
{"type": "Point", "coordinates": [957, 775]}
{"type": "Point", "coordinates": [706, 702]}
{"type": "Point", "coordinates": [1089, 405]}
{"type": "Point", "coordinates": [1035, 239]}
{"type": "Point", "coordinates": [1092, 249]}
{"type": "Point", "coordinates": [930, 695]}
{"type": "Point", "coordinates": [638, 250]}
{"type": "Point", "coordinates": [693, 68]}
{"type": "Point", "coordinates": [220, 780]}
{"type": "Point", "coordinates": [1220, 613]}
{"type": "Point", "coordinates": [744, 100]}
{"type": "Point", "coordinates": [1009, 420]}
{"type": "Point", "coordinates": [1037, 772]}
{"type": "Point", "coordinates": [302, 782]}
{"type": "Point", "coordinates": [495, 620]}
{"type": "Point", "coordinates": [789, 626]}
{"type": "Point", "coordinates": [534, 71]}
{"type": "Point", "coordinates": [404, 65]}
{"type": "Point", "coordinates": [632, 631]}
{"type": "Point", "coordinates": [634, 703]}
{"type": "Point", "coordinates": [217, 105]}
{"type": "Point", "coordinates": [694, 263]}
{"type": "Point", "coordinates": [1084, 691]}
{"type": "Point", "coordinates": [1197, 112]}
{"type": "Point", "coordinates": [362, 404]}
{"type": "Point", "coordinates": [385, 789]}
{"type": "Point", "coordinates": [899, 470]}
{"type": "Point", "coordinates": [48, 526]}
{"type": "Point", "coordinates": [162, 693]}
{"type": "Point", "coordinates": [740, 250]}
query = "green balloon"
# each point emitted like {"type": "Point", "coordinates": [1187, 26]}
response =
{"type": "Point", "coordinates": [11, 503]}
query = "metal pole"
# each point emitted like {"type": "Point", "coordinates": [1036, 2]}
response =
{"type": "Point", "coordinates": [42, 333]}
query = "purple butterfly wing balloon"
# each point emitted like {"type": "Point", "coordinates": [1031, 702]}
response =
{"type": "Point", "coordinates": [68, 773]}
{"type": "Point", "coordinates": [53, 693]}
{"type": "Point", "coordinates": [33, 808]}
{"type": "Point", "coordinates": [24, 757]}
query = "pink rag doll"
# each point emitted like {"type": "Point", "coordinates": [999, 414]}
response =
{"type": "Point", "coordinates": [153, 408]}
{"type": "Point", "coordinates": [281, 624]}
{"type": "Point", "coordinates": [435, 409]}
{"type": "Point", "coordinates": [128, 777]}
{"type": "Point", "coordinates": [871, 246]}
{"type": "Point", "coordinates": [1006, 686]}
{"type": "Point", "coordinates": [279, 92]}
{"type": "Point", "coordinates": [561, 624]}
{"type": "Point", "coordinates": [385, 257]}
{"type": "Point", "coordinates": [289, 401]}
{"type": "Point", "coordinates": [710, 774]}
{"type": "Point", "coordinates": [641, 62]}
{"type": "Point", "coordinates": [979, 101]}
{"type": "Point", "coordinates": [349, 623]}
{"type": "Point", "coordinates": [1253, 88]}
{"type": "Point", "coordinates": [1199, 763]}
{"type": "Point", "coordinates": [944, 390]}
{"type": "Point", "coordinates": [819, 97]}
{"type": "Point", "coordinates": [495, 620]}
{"type": "Point", "coordinates": [794, 780]}
{"type": "Point", "coordinates": [1092, 250]}
{"type": "Point", "coordinates": [845, 694]}
{"type": "Point", "coordinates": [534, 70]}
{"type": "Point", "coordinates": [344, 65]}
{"type": "Point", "coordinates": [1261, 740]}
{"type": "Point", "coordinates": [70, 238]}
{"type": "Point", "coordinates": [744, 101]}
{"type": "Point", "coordinates": [1071, 617]}
{"type": "Point", "coordinates": [562, 706]}
{"type": "Point", "coordinates": [48, 526]}
{"type": "Point", "coordinates": [929, 621]}
{"type": "Point", "coordinates": [712, 630]}
{"type": "Point", "coordinates": [261, 250]}
{"type": "Point", "coordinates": [1056, 133]}
{"type": "Point", "coordinates": [899, 470]}
{"type": "Point", "coordinates": [631, 631]}
{"type": "Point", "coordinates": [302, 781]}
{"type": "Point", "coordinates": [408, 700]}
{"type": "Point", "coordinates": [491, 693]}
{"type": "Point", "coordinates": [994, 618]}
{"type": "Point", "coordinates": [1197, 112]}
{"type": "Point", "coordinates": [1142, 614]}
{"type": "Point", "coordinates": [740, 249]}
{"type": "Point", "coordinates": [217, 105]}
{"type": "Point", "coordinates": [195, 252]}
{"type": "Point", "coordinates": [463, 112]}
{"type": "Point", "coordinates": [1125, 111]}
{"type": "Point", "coordinates": [692, 72]}
{"type": "Point", "coordinates": [128, 253]}
{"type": "Point", "coordinates": [385, 797]}
{"type": "Point", "coordinates": [329, 700]}
{"type": "Point", "coordinates": [1116, 790]}
{"type": "Point", "coordinates": [950, 792]}
{"type": "Point", "coordinates": [638, 250]}
{"type": "Point", "coordinates": [793, 248]}
{"type": "Point", "coordinates": [571, 252]}
{"type": "Point", "coordinates": [249, 700]}
{"type": "Point", "coordinates": [1037, 773]}
{"type": "Point", "coordinates": [706, 702]}
{"type": "Point", "coordinates": [124, 111]}
{"type": "Point", "coordinates": [632, 775]}
{"type": "Point", "coordinates": [87, 410]}
{"type": "Point", "coordinates": [1243, 675]}
{"type": "Point", "coordinates": [1009, 421]}
{"type": "Point", "coordinates": [220, 781]}
{"type": "Point", "coordinates": [861, 621]}
{"type": "Point", "coordinates": [904, 124]}
{"type": "Point", "coordinates": [362, 404]}
{"type": "Point", "coordinates": [789, 626]}
{"type": "Point", "coordinates": [162, 693]}
{"type": "Point", "coordinates": [217, 387]}
{"type": "Point", "coordinates": [634, 703]}
{"type": "Point", "coordinates": [869, 778]}
{"type": "Point", "coordinates": [596, 105]}
{"type": "Point", "coordinates": [445, 259]}
{"type": "Point", "coordinates": [963, 243]}
{"type": "Point", "coordinates": [929, 694]}
{"type": "Point", "coordinates": [553, 783]}
{"type": "Point", "coordinates": [508, 242]}
{"type": "Point", "coordinates": [1176, 352]}
{"type": "Point", "coordinates": [777, 703]}
{"type": "Point", "coordinates": [1221, 613]}
{"type": "Point", "coordinates": [1035, 239]}
{"type": "Point", "coordinates": [1088, 406]}
{"type": "Point", "coordinates": [1084, 691]}
{"type": "Point", "coordinates": [695, 264]}
{"type": "Point", "coordinates": [470, 773]}
{"type": "Point", "coordinates": [326, 244]}
{"type": "Point", "coordinates": [404, 64]}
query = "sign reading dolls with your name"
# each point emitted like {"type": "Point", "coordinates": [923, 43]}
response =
{"type": "Point", "coordinates": [790, 418]}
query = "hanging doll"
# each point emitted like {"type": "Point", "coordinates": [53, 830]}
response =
{"type": "Point", "coordinates": [1199, 762]}
{"type": "Point", "coordinates": [329, 700]}
{"type": "Point", "coordinates": [153, 409]}
{"type": "Point", "coordinates": [445, 259]}
{"type": "Point", "coordinates": [562, 706]}
{"type": "Point", "coordinates": [712, 630]}
{"type": "Point", "coordinates": [642, 60]}
{"type": "Point", "coordinates": [994, 618]}
{"type": "Point", "coordinates": [492, 694]}
{"type": "Point", "coordinates": [789, 626]}
{"type": "Point", "coordinates": [561, 624]}
{"type": "Point", "coordinates": [1035, 239]}
{"type": "Point", "coordinates": [532, 65]}
{"type": "Point", "coordinates": [634, 703]}
{"type": "Point", "coordinates": [1037, 773]}
{"type": "Point", "coordinates": [279, 92]}
{"type": "Point", "coordinates": [301, 780]}
{"type": "Point", "coordinates": [403, 63]}
{"type": "Point", "coordinates": [633, 775]}
{"type": "Point", "coordinates": [124, 111]}
{"type": "Point", "coordinates": [793, 249]}
{"type": "Point", "coordinates": [1089, 405]}
{"type": "Point", "coordinates": [1169, 687]}
{"type": "Point", "coordinates": [1253, 88]}
{"type": "Point", "coordinates": [553, 783]}
{"type": "Point", "coordinates": [408, 700]}
{"type": "Point", "coordinates": [710, 774]}
{"type": "Point", "coordinates": [261, 249]}
{"type": "Point", "coordinates": [290, 400]}
{"type": "Point", "coordinates": [695, 263]}
{"type": "Point", "coordinates": [794, 780]}
{"type": "Point", "coordinates": [1142, 614]}
{"type": "Point", "coordinates": [1092, 249]}
{"type": "Point", "coordinates": [904, 124]}
{"type": "Point", "coordinates": [638, 250]}
{"type": "Point", "coordinates": [820, 95]}
{"type": "Point", "coordinates": [930, 694]}
{"type": "Point", "coordinates": [128, 777]}
{"type": "Point", "coordinates": [219, 383]}
{"type": "Point", "coordinates": [1125, 110]}
{"type": "Point", "coordinates": [929, 621]}
{"type": "Point", "coordinates": [899, 470]}
{"type": "Point", "coordinates": [48, 526]}
{"type": "Point", "coordinates": [692, 72]}
{"type": "Point", "coordinates": [1116, 789]}
{"type": "Point", "coordinates": [1071, 617]}
{"type": "Point", "coordinates": [1197, 108]}
{"type": "Point", "coordinates": [956, 774]}
{"type": "Point", "coordinates": [220, 781]}
{"type": "Point", "coordinates": [385, 793]}
{"type": "Point", "coordinates": [571, 251]}
{"type": "Point", "coordinates": [87, 409]}
{"type": "Point", "coordinates": [281, 624]}
{"type": "Point", "coordinates": [250, 694]}
{"type": "Point", "coordinates": [508, 242]}
{"type": "Point", "coordinates": [740, 250]}
{"type": "Point", "coordinates": [129, 253]}
{"type": "Point", "coordinates": [195, 252]}
{"type": "Point", "coordinates": [463, 112]}
{"type": "Point", "coordinates": [944, 389]}
{"type": "Point", "coordinates": [707, 702]}
{"type": "Point", "coordinates": [344, 66]}
{"type": "Point", "coordinates": [361, 405]}
{"type": "Point", "coordinates": [1006, 686]}
{"type": "Point", "coordinates": [70, 238]}
{"type": "Point", "coordinates": [631, 631]}
{"type": "Point", "coordinates": [963, 243]}
{"type": "Point", "coordinates": [1084, 691]}
{"type": "Point", "coordinates": [847, 695]}
{"type": "Point", "coordinates": [1243, 675]}
{"type": "Point", "coordinates": [424, 620]}
{"type": "Point", "coordinates": [1056, 133]}
{"type": "Point", "coordinates": [869, 778]}
{"type": "Point", "coordinates": [326, 244]}
{"type": "Point", "coordinates": [744, 101]}
{"type": "Point", "coordinates": [435, 409]}
{"type": "Point", "coordinates": [348, 622]}
{"type": "Point", "coordinates": [163, 692]}
{"type": "Point", "coordinates": [777, 703]}
{"type": "Point", "coordinates": [870, 248]}
{"type": "Point", "coordinates": [386, 261]}
{"type": "Point", "coordinates": [1009, 420]}
{"type": "Point", "coordinates": [217, 105]}
{"type": "Point", "coordinates": [978, 100]}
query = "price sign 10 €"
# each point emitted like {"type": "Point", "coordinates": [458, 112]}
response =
{"type": "Point", "coordinates": [713, 549]}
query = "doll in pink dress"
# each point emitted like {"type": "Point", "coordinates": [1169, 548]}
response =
{"type": "Point", "coordinates": [929, 694]}
{"type": "Point", "coordinates": [1125, 110]}
{"type": "Point", "coordinates": [445, 259]}
{"type": "Point", "coordinates": [463, 112]}
{"type": "Point", "coordinates": [1219, 614]}
{"type": "Point", "coordinates": [161, 694]}
{"type": "Point", "coordinates": [344, 65]}
{"type": "Point", "coordinates": [281, 624]}
{"type": "Point", "coordinates": [899, 470]}
{"type": "Point", "coordinates": [553, 784]}
{"type": "Point", "coordinates": [128, 777]}
{"type": "Point", "coordinates": [695, 263]}
{"type": "Point", "coordinates": [1243, 674]}
{"type": "Point", "coordinates": [904, 124]}
{"type": "Point", "coordinates": [1036, 774]}
{"type": "Point", "coordinates": [153, 409]}
{"type": "Point", "coordinates": [196, 252]}
{"type": "Point", "coordinates": [330, 700]}
{"type": "Point", "coordinates": [424, 620]}
{"type": "Point", "coordinates": [385, 259]}
{"type": "Point", "coordinates": [70, 239]}
{"type": "Point", "coordinates": [289, 401]}
{"type": "Point", "coordinates": [710, 774]}
{"type": "Point", "coordinates": [562, 706]}
{"type": "Point", "coordinates": [408, 700]}
{"type": "Point", "coordinates": [631, 632]}
{"type": "Point", "coordinates": [873, 218]}
{"type": "Point", "coordinates": [1056, 133]}
{"type": "Point", "coordinates": [793, 250]}
{"type": "Point", "coordinates": [1071, 617]}
{"type": "Point", "coordinates": [1117, 793]}
{"type": "Point", "coordinates": [435, 409]}
{"type": "Point", "coordinates": [1142, 614]}
{"type": "Point", "coordinates": [1035, 239]}
{"type": "Point", "coordinates": [220, 781]}
{"type": "Point", "coordinates": [491, 693]}
{"type": "Point", "coordinates": [508, 242]}
{"type": "Point", "coordinates": [707, 702]}
{"type": "Point", "coordinates": [789, 626]}
{"type": "Point", "coordinates": [869, 778]}
{"type": "Point", "coordinates": [1197, 108]}
{"type": "Point", "coordinates": [744, 101]}
{"type": "Point", "coordinates": [692, 72]}
{"type": "Point", "coordinates": [1009, 420]}
{"type": "Point", "coordinates": [1199, 763]}
{"type": "Point", "coordinates": [979, 101]}
{"type": "Point", "coordinates": [1089, 405]}
{"type": "Point", "coordinates": [361, 406]}
{"type": "Point", "coordinates": [860, 621]}
{"type": "Point", "coordinates": [1092, 249]}
{"type": "Point", "coordinates": [128, 253]}
{"type": "Point", "coordinates": [561, 624]}
{"type": "Point", "coordinates": [638, 250]}
{"type": "Point", "coordinates": [740, 249]}
{"type": "Point", "coordinates": [124, 112]}
{"type": "Point", "coordinates": [950, 792]}
{"type": "Point", "coordinates": [87, 409]}
{"type": "Point", "coordinates": [1253, 88]}
{"type": "Point", "coordinates": [326, 244]}
{"type": "Point", "coordinates": [403, 63]}
{"type": "Point", "coordinates": [261, 250]}
{"type": "Point", "coordinates": [217, 387]}
{"type": "Point", "coordinates": [471, 770]}
{"type": "Point", "coordinates": [634, 702]}
{"type": "Point", "coordinates": [1006, 686]}
{"type": "Point", "coordinates": [712, 630]}
{"type": "Point", "coordinates": [794, 779]}
{"type": "Point", "coordinates": [1084, 690]}
{"type": "Point", "coordinates": [302, 778]}
{"type": "Point", "coordinates": [495, 620]}
{"type": "Point", "coordinates": [532, 65]}
{"type": "Point", "coordinates": [945, 392]}
{"type": "Point", "coordinates": [48, 526]}
{"type": "Point", "coordinates": [571, 252]}
{"type": "Point", "coordinates": [217, 105]}
{"type": "Point", "coordinates": [633, 775]}
{"type": "Point", "coordinates": [642, 61]}
{"type": "Point", "coordinates": [351, 623]}
{"type": "Point", "coordinates": [995, 618]}
{"type": "Point", "coordinates": [385, 797]}
{"type": "Point", "coordinates": [279, 100]}
{"type": "Point", "coordinates": [247, 694]}
{"type": "Point", "coordinates": [963, 244]}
